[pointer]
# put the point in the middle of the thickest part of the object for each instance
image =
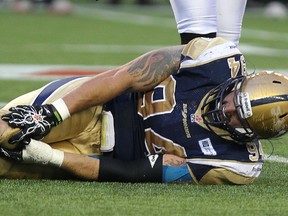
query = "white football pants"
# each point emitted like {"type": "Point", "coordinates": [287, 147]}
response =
{"type": "Point", "coordinates": [207, 16]}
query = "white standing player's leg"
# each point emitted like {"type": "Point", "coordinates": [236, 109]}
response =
{"type": "Point", "coordinates": [194, 18]}
{"type": "Point", "coordinates": [229, 19]}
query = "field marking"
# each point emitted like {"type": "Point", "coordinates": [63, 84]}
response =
{"type": "Point", "coordinates": [50, 72]}
{"type": "Point", "coordinates": [165, 22]}
{"type": "Point", "coordinates": [264, 35]}
{"type": "Point", "coordinates": [125, 17]}
{"type": "Point", "coordinates": [110, 48]}
{"type": "Point", "coordinates": [116, 48]}
{"type": "Point", "coordinates": [276, 158]}
{"type": "Point", "coordinates": [47, 72]}
{"type": "Point", "coordinates": [141, 48]}
{"type": "Point", "coordinates": [262, 51]}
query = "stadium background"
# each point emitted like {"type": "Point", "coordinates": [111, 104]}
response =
{"type": "Point", "coordinates": [37, 46]}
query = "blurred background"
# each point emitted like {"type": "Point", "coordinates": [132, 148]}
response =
{"type": "Point", "coordinates": [47, 38]}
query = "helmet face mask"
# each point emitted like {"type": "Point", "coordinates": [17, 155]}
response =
{"type": "Point", "coordinates": [213, 113]}
{"type": "Point", "coordinates": [261, 102]}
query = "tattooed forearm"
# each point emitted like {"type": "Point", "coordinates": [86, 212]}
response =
{"type": "Point", "coordinates": [153, 67]}
{"type": "Point", "coordinates": [174, 161]}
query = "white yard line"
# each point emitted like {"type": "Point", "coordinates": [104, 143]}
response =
{"type": "Point", "coordinates": [116, 48]}
{"type": "Point", "coordinates": [110, 48]}
{"type": "Point", "coordinates": [165, 22]}
{"type": "Point", "coordinates": [125, 17]}
{"type": "Point", "coordinates": [46, 72]}
{"type": "Point", "coordinates": [264, 35]}
{"type": "Point", "coordinates": [278, 159]}
{"type": "Point", "coordinates": [262, 51]}
{"type": "Point", "coordinates": [29, 71]}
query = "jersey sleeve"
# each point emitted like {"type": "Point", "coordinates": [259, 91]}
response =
{"type": "Point", "coordinates": [211, 61]}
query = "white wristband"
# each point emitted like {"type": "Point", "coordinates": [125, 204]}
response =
{"type": "Point", "coordinates": [62, 109]}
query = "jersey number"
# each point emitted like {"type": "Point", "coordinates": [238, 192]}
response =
{"type": "Point", "coordinates": [255, 153]}
{"type": "Point", "coordinates": [157, 102]}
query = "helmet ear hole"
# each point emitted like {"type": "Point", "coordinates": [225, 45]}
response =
{"type": "Point", "coordinates": [277, 82]}
{"type": "Point", "coordinates": [283, 115]}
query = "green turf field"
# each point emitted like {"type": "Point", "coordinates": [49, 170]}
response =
{"type": "Point", "coordinates": [101, 35]}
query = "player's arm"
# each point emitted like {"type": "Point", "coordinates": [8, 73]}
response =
{"type": "Point", "coordinates": [141, 74]}
{"type": "Point", "coordinates": [155, 168]}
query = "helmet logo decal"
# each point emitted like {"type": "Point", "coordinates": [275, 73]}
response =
{"type": "Point", "coordinates": [244, 99]}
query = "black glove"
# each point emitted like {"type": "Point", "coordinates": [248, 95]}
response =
{"type": "Point", "coordinates": [34, 121]}
{"type": "Point", "coordinates": [14, 155]}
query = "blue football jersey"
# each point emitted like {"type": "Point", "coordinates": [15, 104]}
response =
{"type": "Point", "coordinates": [170, 114]}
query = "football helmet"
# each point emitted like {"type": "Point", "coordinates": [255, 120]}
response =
{"type": "Point", "coordinates": [261, 102]}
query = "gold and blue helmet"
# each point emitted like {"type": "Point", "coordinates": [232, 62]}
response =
{"type": "Point", "coordinates": [261, 102]}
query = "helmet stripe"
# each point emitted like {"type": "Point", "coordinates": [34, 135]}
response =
{"type": "Point", "coordinates": [267, 100]}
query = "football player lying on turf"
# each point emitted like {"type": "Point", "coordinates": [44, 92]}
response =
{"type": "Point", "coordinates": [177, 114]}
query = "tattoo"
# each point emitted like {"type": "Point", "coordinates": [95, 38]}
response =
{"type": "Point", "coordinates": [155, 66]}
{"type": "Point", "coordinates": [174, 162]}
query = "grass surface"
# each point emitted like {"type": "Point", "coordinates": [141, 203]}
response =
{"type": "Point", "coordinates": [39, 38]}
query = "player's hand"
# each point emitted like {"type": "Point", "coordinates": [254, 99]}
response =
{"type": "Point", "coordinates": [11, 154]}
{"type": "Point", "coordinates": [34, 121]}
